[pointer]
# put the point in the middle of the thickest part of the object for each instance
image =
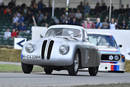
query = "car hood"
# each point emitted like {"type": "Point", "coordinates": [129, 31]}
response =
{"type": "Point", "coordinates": [61, 39]}
{"type": "Point", "coordinates": [108, 50]}
{"type": "Point", "coordinates": [55, 39]}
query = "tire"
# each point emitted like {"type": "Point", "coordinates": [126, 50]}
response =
{"type": "Point", "coordinates": [93, 71]}
{"type": "Point", "coordinates": [48, 70]}
{"type": "Point", "coordinates": [73, 69]}
{"type": "Point", "coordinates": [27, 68]}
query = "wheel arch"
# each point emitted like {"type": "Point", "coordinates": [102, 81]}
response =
{"type": "Point", "coordinates": [79, 51]}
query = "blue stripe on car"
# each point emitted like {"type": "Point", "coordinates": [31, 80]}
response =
{"type": "Point", "coordinates": [113, 62]}
{"type": "Point", "coordinates": [116, 67]}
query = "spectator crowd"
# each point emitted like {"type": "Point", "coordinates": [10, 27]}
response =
{"type": "Point", "coordinates": [22, 16]}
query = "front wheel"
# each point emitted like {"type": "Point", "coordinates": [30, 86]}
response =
{"type": "Point", "coordinates": [73, 69]}
{"type": "Point", "coordinates": [27, 68]}
{"type": "Point", "coordinates": [93, 71]}
{"type": "Point", "coordinates": [48, 70]}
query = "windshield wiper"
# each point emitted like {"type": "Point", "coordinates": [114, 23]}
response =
{"type": "Point", "coordinates": [57, 33]}
{"type": "Point", "coordinates": [74, 38]}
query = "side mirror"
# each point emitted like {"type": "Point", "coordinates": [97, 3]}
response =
{"type": "Point", "coordinates": [120, 46]}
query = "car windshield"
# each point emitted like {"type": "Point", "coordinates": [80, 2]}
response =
{"type": "Point", "coordinates": [67, 32]}
{"type": "Point", "coordinates": [102, 40]}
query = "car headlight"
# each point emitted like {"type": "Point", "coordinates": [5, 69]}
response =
{"type": "Point", "coordinates": [29, 48]}
{"type": "Point", "coordinates": [64, 49]}
{"type": "Point", "coordinates": [116, 57]}
{"type": "Point", "coordinates": [110, 57]}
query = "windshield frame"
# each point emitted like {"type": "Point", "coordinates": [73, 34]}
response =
{"type": "Point", "coordinates": [79, 38]}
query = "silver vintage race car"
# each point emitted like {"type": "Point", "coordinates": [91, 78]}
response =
{"type": "Point", "coordinates": [64, 47]}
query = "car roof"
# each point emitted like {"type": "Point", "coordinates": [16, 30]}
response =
{"type": "Point", "coordinates": [66, 26]}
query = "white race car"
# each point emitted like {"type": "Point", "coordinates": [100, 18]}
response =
{"type": "Point", "coordinates": [63, 47]}
{"type": "Point", "coordinates": [111, 57]}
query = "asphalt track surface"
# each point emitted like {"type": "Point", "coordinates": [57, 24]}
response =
{"type": "Point", "coordinates": [61, 79]}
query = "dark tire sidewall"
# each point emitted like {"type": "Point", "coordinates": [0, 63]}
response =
{"type": "Point", "coordinates": [71, 69]}
{"type": "Point", "coordinates": [48, 70]}
{"type": "Point", "coordinates": [27, 68]}
{"type": "Point", "coordinates": [93, 71]}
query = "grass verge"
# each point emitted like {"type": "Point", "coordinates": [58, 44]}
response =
{"type": "Point", "coordinates": [127, 66]}
{"type": "Point", "coordinates": [17, 68]}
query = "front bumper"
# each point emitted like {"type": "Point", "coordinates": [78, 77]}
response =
{"type": "Point", "coordinates": [112, 66]}
{"type": "Point", "coordinates": [37, 60]}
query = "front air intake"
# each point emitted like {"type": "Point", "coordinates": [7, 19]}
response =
{"type": "Point", "coordinates": [50, 49]}
{"type": "Point", "coordinates": [43, 49]}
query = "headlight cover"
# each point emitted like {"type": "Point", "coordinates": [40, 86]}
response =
{"type": "Point", "coordinates": [29, 48]}
{"type": "Point", "coordinates": [64, 49]}
{"type": "Point", "coordinates": [110, 57]}
{"type": "Point", "coordinates": [116, 57]}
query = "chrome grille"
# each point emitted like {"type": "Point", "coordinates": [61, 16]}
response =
{"type": "Point", "coordinates": [47, 46]}
{"type": "Point", "coordinates": [43, 49]}
{"type": "Point", "coordinates": [50, 49]}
